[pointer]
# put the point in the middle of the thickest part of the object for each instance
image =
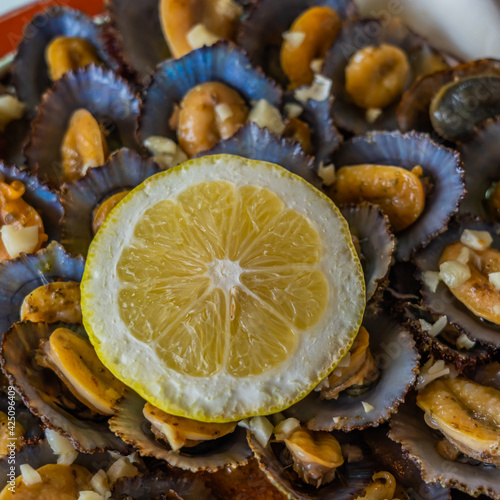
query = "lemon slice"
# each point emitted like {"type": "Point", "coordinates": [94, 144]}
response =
{"type": "Point", "coordinates": [223, 288]}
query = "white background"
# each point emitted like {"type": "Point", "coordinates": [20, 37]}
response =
{"type": "Point", "coordinates": [465, 27]}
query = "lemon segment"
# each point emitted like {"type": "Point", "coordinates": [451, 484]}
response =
{"type": "Point", "coordinates": [223, 288]}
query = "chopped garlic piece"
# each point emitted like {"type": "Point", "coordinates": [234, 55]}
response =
{"type": "Point", "coordinates": [367, 406]}
{"type": "Point", "coordinates": [260, 427]}
{"type": "Point", "coordinates": [121, 468]}
{"type": "Point", "coordinates": [30, 475]}
{"type": "Point", "coordinates": [425, 325]}
{"type": "Point", "coordinates": [294, 38]}
{"type": "Point", "coordinates": [277, 418]}
{"type": "Point", "coordinates": [223, 111]}
{"type": "Point", "coordinates": [453, 273]}
{"type": "Point", "coordinates": [372, 114]}
{"type": "Point", "coordinates": [19, 239]}
{"type": "Point", "coordinates": [327, 173]}
{"type": "Point", "coordinates": [67, 458]}
{"type": "Point", "coordinates": [200, 35]}
{"type": "Point", "coordinates": [90, 495]}
{"type": "Point", "coordinates": [316, 65]}
{"type": "Point", "coordinates": [496, 309]}
{"type": "Point", "coordinates": [464, 256]}
{"type": "Point", "coordinates": [285, 428]}
{"type": "Point", "coordinates": [477, 240]}
{"type": "Point", "coordinates": [438, 326]}
{"type": "Point", "coordinates": [318, 91]}
{"type": "Point", "coordinates": [293, 110]}
{"type": "Point", "coordinates": [100, 483]}
{"type": "Point", "coordinates": [59, 444]}
{"type": "Point", "coordinates": [494, 279]}
{"type": "Point", "coordinates": [336, 420]}
{"type": "Point", "coordinates": [10, 109]}
{"type": "Point", "coordinates": [431, 280]}
{"type": "Point", "coordinates": [464, 342]}
{"type": "Point", "coordinates": [432, 370]}
{"type": "Point", "coordinates": [166, 152]}
{"type": "Point", "coordinates": [265, 115]}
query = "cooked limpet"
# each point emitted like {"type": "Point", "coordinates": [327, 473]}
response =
{"type": "Point", "coordinates": [367, 405]}
{"type": "Point", "coordinates": [68, 133]}
{"type": "Point", "coordinates": [439, 168]}
{"type": "Point", "coordinates": [286, 37]}
{"type": "Point", "coordinates": [205, 96]}
{"type": "Point", "coordinates": [421, 442]}
{"type": "Point", "coordinates": [191, 25]}
{"type": "Point", "coordinates": [19, 277]}
{"type": "Point", "coordinates": [21, 227]}
{"type": "Point", "coordinates": [50, 392]}
{"type": "Point", "coordinates": [87, 201]}
{"type": "Point", "coordinates": [370, 65]}
{"type": "Point", "coordinates": [56, 40]}
{"type": "Point", "coordinates": [460, 287]}
{"type": "Point", "coordinates": [337, 465]}
{"type": "Point", "coordinates": [130, 424]}
{"type": "Point", "coordinates": [455, 100]}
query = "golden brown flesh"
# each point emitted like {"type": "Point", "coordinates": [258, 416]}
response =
{"type": "Point", "coordinates": [68, 53]}
{"type": "Point", "coordinates": [318, 27]}
{"type": "Point", "coordinates": [178, 17]}
{"type": "Point", "coordinates": [376, 76]}
{"type": "Point", "coordinates": [62, 482]}
{"type": "Point", "coordinates": [180, 431]}
{"type": "Point", "coordinates": [15, 211]}
{"type": "Point", "coordinates": [361, 369]}
{"type": "Point", "coordinates": [202, 124]}
{"type": "Point", "coordinates": [58, 301]}
{"type": "Point", "coordinates": [83, 146]}
{"type": "Point", "coordinates": [316, 455]}
{"type": "Point", "coordinates": [477, 293]}
{"type": "Point", "coordinates": [75, 361]}
{"type": "Point", "coordinates": [467, 413]}
{"type": "Point", "coordinates": [398, 192]}
{"type": "Point", "coordinates": [105, 208]}
{"type": "Point", "coordinates": [382, 487]}
{"type": "Point", "coordinates": [299, 131]}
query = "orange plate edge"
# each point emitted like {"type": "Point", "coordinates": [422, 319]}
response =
{"type": "Point", "coordinates": [12, 23]}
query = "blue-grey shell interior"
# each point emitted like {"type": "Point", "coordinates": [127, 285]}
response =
{"type": "Point", "coordinates": [350, 480]}
{"type": "Point", "coordinates": [106, 96]}
{"type": "Point", "coordinates": [260, 34]}
{"type": "Point", "coordinates": [132, 19]}
{"type": "Point", "coordinates": [395, 355]}
{"type": "Point", "coordinates": [442, 301]}
{"type": "Point", "coordinates": [441, 165]}
{"type": "Point", "coordinates": [21, 276]}
{"type": "Point", "coordinates": [418, 440]}
{"type": "Point", "coordinates": [325, 137]}
{"type": "Point", "coordinates": [222, 62]}
{"type": "Point", "coordinates": [124, 170]}
{"type": "Point", "coordinates": [37, 386]}
{"type": "Point", "coordinates": [130, 424]}
{"type": "Point", "coordinates": [30, 68]}
{"type": "Point", "coordinates": [45, 201]}
{"type": "Point", "coordinates": [481, 158]}
{"type": "Point", "coordinates": [372, 229]}
{"type": "Point", "coordinates": [355, 35]}
{"type": "Point", "coordinates": [257, 143]}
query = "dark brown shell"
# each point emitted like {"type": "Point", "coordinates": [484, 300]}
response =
{"type": "Point", "coordinates": [413, 109]}
{"type": "Point", "coordinates": [40, 389]}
